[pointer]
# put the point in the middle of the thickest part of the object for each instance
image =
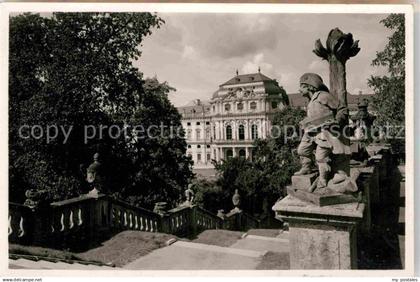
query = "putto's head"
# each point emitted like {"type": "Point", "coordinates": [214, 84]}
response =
{"type": "Point", "coordinates": [310, 83]}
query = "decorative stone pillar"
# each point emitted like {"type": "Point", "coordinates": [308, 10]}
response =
{"type": "Point", "coordinates": [321, 237]}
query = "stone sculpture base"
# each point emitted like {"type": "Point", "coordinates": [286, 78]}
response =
{"type": "Point", "coordinates": [301, 185]}
{"type": "Point", "coordinates": [321, 237]}
{"type": "Point", "coordinates": [331, 198]}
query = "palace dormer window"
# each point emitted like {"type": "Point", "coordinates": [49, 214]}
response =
{"type": "Point", "coordinates": [240, 106]}
{"type": "Point", "coordinates": [274, 105]}
{"type": "Point", "coordinates": [227, 107]}
{"type": "Point", "coordinates": [253, 105]}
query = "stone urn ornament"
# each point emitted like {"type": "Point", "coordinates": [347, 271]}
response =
{"type": "Point", "coordinates": [236, 200]}
{"type": "Point", "coordinates": [35, 198]}
{"type": "Point", "coordinates": [94, 177]}
{"type": "Point", "coordinates": [189, 196]}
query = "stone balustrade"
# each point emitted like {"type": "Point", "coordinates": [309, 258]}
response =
{"type": "Point", "coordinates": [86, 218]}
{"type": "Point", "coordinates": [20, 223]}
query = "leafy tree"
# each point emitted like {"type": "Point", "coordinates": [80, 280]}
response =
{"type": "Point", "coordinates": [75, 70]}
{"type": "Point", "coordinates": [389, 99]}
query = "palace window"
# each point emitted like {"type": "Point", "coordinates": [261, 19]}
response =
{"type": "Point", "coordinates": [274, 105]}
{"type": "Point", "coordinates": [229, 154]}
{"type": "Point", "coordinates": [189, 146]}
{"type": "Point", "coordinates": [189, 133]}
{"type": "Point", "coordinates": [227, 107]}
{"type": "Point", "coordinates": [241, 132]}
{"type": "Point", "coordinates": [208, 146]}
{"type": "Point", "coordinates": [199, 158]}
{"type": "Point", "coordinates": [242, 153]}
{"type": "Point", "coordinates": [254, 131]}
{"type": "Point", "coordinates": [188, 123]}
{"type": "Point", "coordinates": [240, 106]}
{"type": "Point", "coordinates": [253, 105]}
{"type": "Point", "coordinates": [198, 123]}
{"type": "Point", "coordinates": [208, 157]}
{"type": "Point", "coordinates": [207, 123]}
{"type": "Point", "coordinates": [198, 134]}
{"type": "Point", "coordinates": [229, 132]}
{"type": "Point", "coordinates": [198, 146]}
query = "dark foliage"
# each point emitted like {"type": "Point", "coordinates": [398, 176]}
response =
{"type": "Point", "coordinates": [389, 101]}
{"type": "Point", "coordinates": [75, 70]}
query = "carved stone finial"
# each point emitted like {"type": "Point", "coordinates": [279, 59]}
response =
{"type": "Point", "coordinates": [236, 199]}
{"type": "Point", "coordinates": [34, 198]}
{"type": "Point", "coordinates": [94, 176]}
{"type": "Point", "coordinates": [362, 121]}
{"type": "Point", "coordinates": [189, 196]}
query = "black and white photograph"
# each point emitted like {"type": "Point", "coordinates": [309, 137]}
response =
{"type": "Point", "coordinates": [209, 137]}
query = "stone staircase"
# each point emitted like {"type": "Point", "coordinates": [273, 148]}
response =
{"type": "Point", "coordinates": [247, 253]}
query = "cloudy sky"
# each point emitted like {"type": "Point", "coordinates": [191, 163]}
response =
{"type": "Point", "coordinates": [195, 53]}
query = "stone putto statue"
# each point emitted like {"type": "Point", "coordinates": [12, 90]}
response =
{"type": "Point", "coordinates": [94, 176]}
{"type": "Point", "coordinates": [323, 136]}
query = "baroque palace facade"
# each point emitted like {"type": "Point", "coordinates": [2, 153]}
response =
{"type": "Point", "coordinates": [239, 112]}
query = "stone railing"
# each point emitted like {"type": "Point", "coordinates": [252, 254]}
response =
{"type": "Point", "coordinates": [204, 219]}
{"type": "Point", "coordinates": [124, 216]}
{"type": "Point", "coordinates": [20, 223]}
{"type": "Point", "coordinates": [86, 218]}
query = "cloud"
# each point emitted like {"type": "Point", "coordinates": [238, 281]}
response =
{"type": "Point", "coordinates": [257, 62]}
{"type": "Point", "coordinates": [226, 36]}
{"type": "Point", "coordinates": [189, 52]}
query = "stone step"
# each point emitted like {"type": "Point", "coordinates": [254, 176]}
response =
{"type": "Point", "coordinates": [227, 250]}
{"type": "Point", "coordinates": [261, 243]}
{"type": "Point", "coordinates": [283, 234]}
{"type": "Point", "coordinates": [43, 264]}
{"type": "Point", "coordinates": [195, 256]}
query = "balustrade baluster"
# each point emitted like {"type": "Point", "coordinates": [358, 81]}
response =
{"type": "Point", "coordinates": [79, 217]}
{"type": "Point", "coordinates": [71, 223]}
{"type": "Point", "coordinates": [136, 223]}
{"type": "Point", "coordinates": [151, 225]}
{"type": "Point", "coordinates": [147, 225]}
{"type": "Point", "coordinates": [125, 218]}
{"type": "Point", "coordinates": [120, 218]}
{"type": "Point", "coordinates": [141, 224]}
{"type": "Point", "coordinates": [62, 222]}
{"type": "Point", "coordinates": [21, 229]}
{"type": "Point", "coordinates": [130, 217]}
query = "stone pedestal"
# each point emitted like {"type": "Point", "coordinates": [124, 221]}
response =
{"type": "Point", "coordinates": [303, 182]}
{"type": "Point", "coordinates": [321, 237]}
